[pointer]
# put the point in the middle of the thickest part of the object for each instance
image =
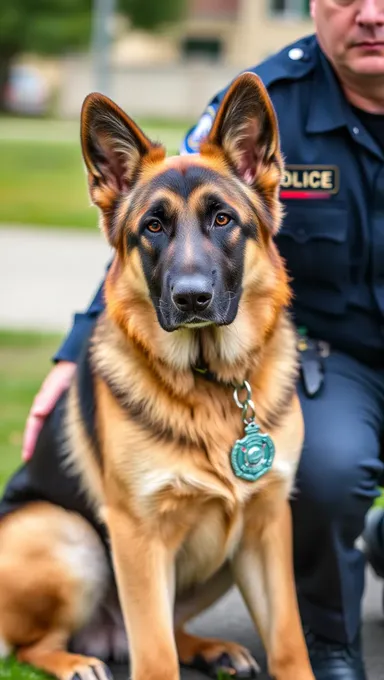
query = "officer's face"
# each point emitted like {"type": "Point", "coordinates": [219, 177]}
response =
{"type": "Point", "coordinates": [351, 33]}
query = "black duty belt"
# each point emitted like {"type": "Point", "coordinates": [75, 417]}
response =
{"type": "Point", "coordinates": [312, 355]}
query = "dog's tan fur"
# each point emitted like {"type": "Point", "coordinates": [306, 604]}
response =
{"type": "Point", "coordinates": [182, 527]}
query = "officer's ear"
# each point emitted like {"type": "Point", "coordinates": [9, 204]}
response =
{"type": "Point", "coordinates": [246, 129]}
{"type": "Point", "coordinates": [113, 148]}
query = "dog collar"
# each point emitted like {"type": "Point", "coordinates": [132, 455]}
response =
{"type": "Point", "coordinates": [207, 374]}
{"type": "Point", "coordinates": [204, 371]}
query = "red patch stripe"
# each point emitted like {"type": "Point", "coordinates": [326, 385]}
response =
{"type": "Point", "coordinates": [304, 194]}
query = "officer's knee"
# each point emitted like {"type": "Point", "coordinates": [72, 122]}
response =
{"type": "Point", "coordinates": [337, 477]}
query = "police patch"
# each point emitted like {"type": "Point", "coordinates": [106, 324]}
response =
{"type": "Point", "coordinates": [309, 181]}
{"type": "Point", "coordinates": [192, 141]}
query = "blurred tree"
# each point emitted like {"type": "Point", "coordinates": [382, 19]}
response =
{"type": "Point", "coordinates": [54, 27]}
{"type": "Point", "coordinates": [149, 14]}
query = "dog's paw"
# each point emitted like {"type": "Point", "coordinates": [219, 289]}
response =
{"type": "Point", "coordinates": [239, 664]}
{"type": "Point", "coordinates": [92, 669]}
{"type": "Point", "coordinates": [213, 657]}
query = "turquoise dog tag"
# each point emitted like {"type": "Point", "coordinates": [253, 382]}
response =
{"type": "Point", "coordinates": [252, 456]}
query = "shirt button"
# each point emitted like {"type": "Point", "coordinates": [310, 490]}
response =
{"type": "Point", "coordinates": [355, 130]}
{"type": "Point", "coordinates": [296, 53]}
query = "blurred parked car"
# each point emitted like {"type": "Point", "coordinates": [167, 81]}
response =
{"type": "Point", "coordinates": [27, 91]}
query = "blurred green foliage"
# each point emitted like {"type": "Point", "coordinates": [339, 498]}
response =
{"type": "Point", "coordinates": [51, 26]}
{"type": "Point", "coordinates": [149, 14]}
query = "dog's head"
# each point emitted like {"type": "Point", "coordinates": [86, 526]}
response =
{"type": "Point", "coordinates": [193, 234]}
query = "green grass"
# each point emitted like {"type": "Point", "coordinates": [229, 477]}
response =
{"type": "Point", "coordinates": [42, 177]}
{"type": "Point", "coordinates": [11, 670]}
{"type": "Point", "coordinates": [44, 184]}
{"type": "Point", "coordinates": [40, 128]}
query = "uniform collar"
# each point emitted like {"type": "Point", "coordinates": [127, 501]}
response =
{"type": "Point", "coordinates": [329, 110]}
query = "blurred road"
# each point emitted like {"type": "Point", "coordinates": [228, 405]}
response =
{"type": "Point", "coordinates": [45, 275]}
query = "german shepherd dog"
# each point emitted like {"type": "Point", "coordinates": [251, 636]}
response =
{"type": "Point", "coordinates": [183, 493]}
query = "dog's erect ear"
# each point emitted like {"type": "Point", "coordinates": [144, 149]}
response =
{"type": "Point", "coordinates": [246, 129]}
{"type": "Point", "coordinates": [113, 148]}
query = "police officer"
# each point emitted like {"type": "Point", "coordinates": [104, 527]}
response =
{"type": "Point", "coordinates": [328, 92]}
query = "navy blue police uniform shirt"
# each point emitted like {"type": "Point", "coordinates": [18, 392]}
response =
{"type": "Point", "coordinates": [332, 237]}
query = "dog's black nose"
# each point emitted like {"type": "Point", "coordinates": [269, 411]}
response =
{"type": "Point", "coordinates": [192, 293]}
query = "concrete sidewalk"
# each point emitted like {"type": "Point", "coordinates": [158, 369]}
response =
{"type": "Point", "coordinates": [46, 275]}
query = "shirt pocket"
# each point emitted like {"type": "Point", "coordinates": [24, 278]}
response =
{"type": "Point", "coordinates": [314, 243]}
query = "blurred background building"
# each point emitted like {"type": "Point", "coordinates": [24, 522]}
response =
{"type": "Point", "coordinates": [241, 32]}
{"type": "Point", "coordinates": [178, 65]}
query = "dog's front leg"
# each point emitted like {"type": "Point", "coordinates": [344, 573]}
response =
{"type": "Point", "coordinates": [263, 570]}
{"type": "Point", "coordinates": [144, 569]}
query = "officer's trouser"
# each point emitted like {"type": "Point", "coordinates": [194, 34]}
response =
{"type": "Point", "coordinates": [336, 485]}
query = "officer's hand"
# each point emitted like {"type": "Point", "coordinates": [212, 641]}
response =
{"type": "Point", "coordinates": [57, 380]}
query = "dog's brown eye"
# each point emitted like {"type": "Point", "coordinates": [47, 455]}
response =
{"type": "Point", "coordinates": [154, 227]}
{"type": "Point", "coordinates": [221, 220]}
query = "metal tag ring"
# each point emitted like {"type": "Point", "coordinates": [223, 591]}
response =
{"type": "Point", "coordinates": [248, 398]}
{"type": "Point", "coordinates": [248, 405]}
